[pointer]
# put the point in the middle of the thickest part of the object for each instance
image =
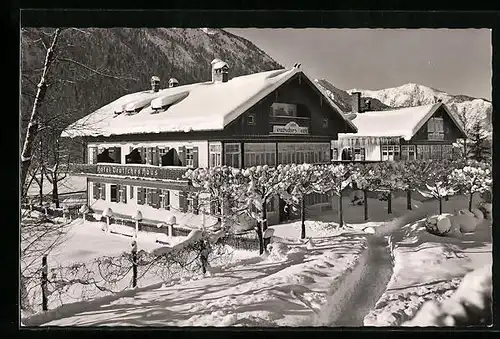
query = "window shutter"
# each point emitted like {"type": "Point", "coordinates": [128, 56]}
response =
{"type": "Point", "coordinates": [182, 155]}
{"type": "Point", "coordinates": [118, 193]}
{"type": "Point", "coordinates": [103, 191]}
{"type": "Point", "coordinates": [155, 155]}
{"type": "Point", "coordinates": [140, 195]}
{"type": "Point", "coordinates": [143, 154]}
{"type": "Point", "coordinates": [157, 197]}
{"type": "Point", "coordinates": [95, 190]}
{"type": "Point", "coordinates": [195, 157]}
{"type": "Point", "coordinates": [182, 202]}
{"type": "Point", "coordinates": [166, 199]}
{"type": "Point", "coordinates": [93, 155]}
{"type": "Point", "coordinates": [124, 194]}
{"type": "Point", "coordinates": [131, 188]}
{"type": "Point", "coordinates": [363, 151]}
{"type": "Point", "coordinates": [118, 155]}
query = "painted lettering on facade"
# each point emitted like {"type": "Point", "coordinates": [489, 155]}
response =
{"type": "Point", "coordinates": [290, 128]}
{"type": "Point", "coordinates": [129, 170]}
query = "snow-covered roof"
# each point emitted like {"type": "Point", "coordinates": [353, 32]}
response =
{"type": "Point", "coordinates": [403, 122]}
{"type": "Point", "coordinates": [203, 107]}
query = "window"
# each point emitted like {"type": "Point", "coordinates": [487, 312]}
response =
{"type": "Point", "coordinates": [435, 129]}
{"type": "Point", "coordinates": [408, 152]}
{"type": "Point", "coordinates": [359, 153]}
{"type": "Point", "coordinates": [122, 193]}
{"type": "Point", "coordinates": [283, 110]}
{"type": "Point", "coordinates": [189, 157]}
{"type": "Point", "coordinates": [102, 190]}
{"type": "Point", "coordinates": [260, 154]}
{"type": "Point", "coordinates": [131, 192]}
{"type": "Point", "coordinates": [192, 203]}
{"type": "Point", "coordinates": [165, 199]}
{"type": "Point", "coordinates": [447, 152]}
{"type": "Point", "coordinates": [232, 154]}
{"type": "Point", "coordinates": [325, 123]}
{"type": "Point", "coordinates": [436, 152]}
{"type": "Point", "coordinates": [390, 152]}
{"type": "Point", "coordinates": [335, 154]}
{"type": "Point", "coordinates": [423, 152]}
{"type": "Point", "coordinates": [251, 119]}
{"type": "Point", "coordinates": [215, 158]}
{"type": "Point", "coordinates": [114, 193]}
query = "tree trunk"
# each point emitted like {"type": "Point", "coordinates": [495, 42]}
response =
{"type": "Point", "coordinates": [303, 218]}
{"type": "Point", "coordinates": [264, 215]}
{"type": "Point", "coordinates": [389, 202]}
{"type": "Point", "coordinates": [32, 130]}
{"type": "Point", "coordinates": [365, 198]}
{"type": "Point", "coordinates": [440, 205]}
{"type": "Point", "coordinates": [55, 192]}
{"type": "Point", "coordinates": [470, 201]}
{"type": "Point", "coordinates": [41, 186]}
{"type": "Point", "coordinates": [258, 229]}
{"type": "Point", "coordinates": [408, 199]}
{"type": "Point", "coordinates": [341, 217]}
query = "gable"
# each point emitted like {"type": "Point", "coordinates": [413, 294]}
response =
{"type": "Point", "coordinates": [311, 106]}
{"type": "Point", "coordinates": [451, 130]}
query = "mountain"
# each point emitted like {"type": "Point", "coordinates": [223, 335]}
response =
{"type": "Point", "coordinates": [96, 66]}
{"type": "Point", "coordinates": [343, 99]}
{"type": "Point", "coordinates": [414, 94]}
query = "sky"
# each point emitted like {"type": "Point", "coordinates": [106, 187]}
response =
{"type": "Point", "coordinates": [457, 61]}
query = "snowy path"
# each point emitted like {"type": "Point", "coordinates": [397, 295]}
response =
{"type": "Point", "coordinates": [285, 290]}
{"type": "Point", "coordinates": [361, 289]}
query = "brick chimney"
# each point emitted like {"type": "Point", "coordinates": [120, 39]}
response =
{"type": "Point", "coordinates": [220, 71]}
{"type": "Point", "coordinates": [173, 82]}
{"type": "Point", "coordinates": [155, 83]}
{"type": "Point", "coordinates": [356, 102]}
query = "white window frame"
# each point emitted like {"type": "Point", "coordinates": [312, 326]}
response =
{"type": "Point", "coordinates": [435, 128]}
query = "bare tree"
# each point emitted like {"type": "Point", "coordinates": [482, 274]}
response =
{"type": "Point", "coordinates": [32, 130]}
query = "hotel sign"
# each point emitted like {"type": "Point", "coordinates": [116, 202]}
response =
{"type": "Point", "coordinates": [128, 170]}
{"type": "Point", "coordinates": [290, 128]}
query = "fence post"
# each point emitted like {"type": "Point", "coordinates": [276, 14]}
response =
{"type": "Point", "coordinates": [134, 263]}
{"type": "Point", "coordinates": [44, 283]}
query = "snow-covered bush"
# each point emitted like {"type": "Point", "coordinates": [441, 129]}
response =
{"type": "Point", "coordinates": [473, 178]}
{"type": "Point", "coordinates": [438, 224]}
{"type": "Point", "coordinates": [470, 305]}
{"type": "Point", "coordinates": [438, 181]}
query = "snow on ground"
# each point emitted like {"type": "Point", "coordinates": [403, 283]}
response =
{"type": "Point", "coordinates": [286, 287]}
{"type": "Point", "coordinates": [428, 267]}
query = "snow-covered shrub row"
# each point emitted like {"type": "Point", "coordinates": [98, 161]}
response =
{"type": "Point", "coordinates": [470, 305]}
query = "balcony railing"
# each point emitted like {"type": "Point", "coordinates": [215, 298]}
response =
{"type": "Point", "coordinates": [143, 171]}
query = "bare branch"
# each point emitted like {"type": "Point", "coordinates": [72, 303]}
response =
{"type": "Point", "coordinates": [96, 70]}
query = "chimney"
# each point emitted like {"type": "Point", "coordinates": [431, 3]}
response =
{"type": "Point", "coordinates": [155, 83]}
{"type": "Point", "coordinates": [368, 105]}
{"type": "Point", "coordinates": [220, 71]}
{"type": "Point", "coordinates": [214, 61]}
{"type": "Point", "coordinates": [356, 102]}
{"type": "Point", "coordinates": [173, 82]}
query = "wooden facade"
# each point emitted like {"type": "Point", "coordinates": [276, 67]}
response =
{"type": "Point", "coordinates": [258, 136]}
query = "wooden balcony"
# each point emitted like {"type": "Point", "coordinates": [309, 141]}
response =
{"type": "Point", "coordinates": [130, 170]}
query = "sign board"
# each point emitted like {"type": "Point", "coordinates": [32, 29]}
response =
{"type": "Point", "coordinates": [128, 170]}
{"type": "Point", "coordinates": [291, 128]}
